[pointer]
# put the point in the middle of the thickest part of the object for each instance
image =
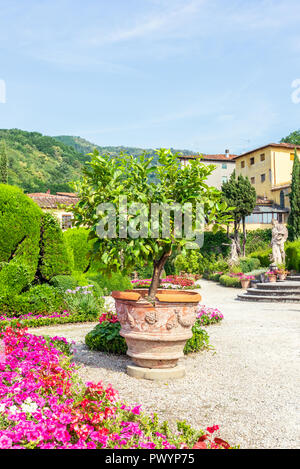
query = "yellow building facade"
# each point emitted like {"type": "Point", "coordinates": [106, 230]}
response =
{"type": "Point", "coordinates": [269, 169]}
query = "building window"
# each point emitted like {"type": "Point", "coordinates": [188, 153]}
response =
{"type": "Point", "coordinates": [282, 201]}
{"type": "Point", "coordinates": [262, 178]}
{"type": "Point", "coordinates": [262, 157]}
{"type": "Point", "coordinates": [243, 164]}
{"type": "Point", "coordinates": [252, 160]}
{"type": "Point", "coordinates": [224, 165]}
{"type": "Point", "coordinates": [262, 218]}
{"type": "Point", "coordinates": [224, 179]}
{"type": "Point", "coordinates": [253, 180]}
{"type": "Point", "coordinates": [66, 222]}
{"type": "Point", "coordinates": [270, 175]}
{"type": "Point", "coordinates": [292, 156]}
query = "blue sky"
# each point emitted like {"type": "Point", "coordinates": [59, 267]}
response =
{"type": "Point", "coordinates": [203, 75]}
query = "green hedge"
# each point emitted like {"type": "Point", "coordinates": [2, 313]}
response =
{"type": "Point", "coordinates": [39, 299]}
{"type": "Point", "coordinates": [117, 281]}
{"type": "Point", "coordinates": [247, 264]}
{"type": "Point", "coordinates": [293, 255]}
{"type": "Point", "coordinates": [228, 281]}
{"type": "Point", "coordinates": [263, 257]}
{"type": "Point", "coordinates": [20, 220]}
{"type": "Point", "coordinates": [47, 321]}
{"type": "Point", "coordinates": [257, 240]}
{"type": "Point", "coordinates": [77, 241]}
{"type": "Point", "coordinates": [64, 282]}
{"type": "Point", "coordinates": [55, 258]}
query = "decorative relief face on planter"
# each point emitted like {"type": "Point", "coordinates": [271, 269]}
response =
{"type": "Point", "coordinates": [150, 317]}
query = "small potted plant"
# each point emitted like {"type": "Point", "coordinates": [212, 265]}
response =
{"type": "Point", "coordinates": [245, 280]}
{"type": "Point", "coordinates": [272, 276]}
{"type": "Point", "coordinates": [282, 272]}
{"type": "Point", "coordinates": [155, 322]}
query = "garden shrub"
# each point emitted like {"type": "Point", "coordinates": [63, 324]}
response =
{"type": "Point", "coordinates": [257, 240]}
{"type": "Point", "coordinates": [191, 262]}
{"type": "Point", "coordinates": [20, 219]}
{"type": "Point", "coordinates": [215, 276]}
{"type": "Point", "coordinates": [83, 301]}
{"type": "Point", "coordinates": [77, 241]}
{"type": "Point", "coordinates": [14, 277]}
{"type": "Point", "coordinates": [116, 281]}
{"type": "Point", "coordinates": [85, 279]}
{"type": "Point", "coordinates": [216, 243]}
{"type": "Point", "coordinates": [55, 257]}
{"type": "Point", "coordinates": [228, 281]}
{"type": "Point", "coordinates": [64, 282]}
{"type": "Point", "coordinates": [105, 337]}
{"type": "Point", "coordinates": [199, 341]}
{"type": "Point", "coordinates": [39, 299]}
{"type": "Point", "coordinates": [263, 257]}
{"type": "Point", "coordinates": [247, 264]}
{"type": "Point", "coordinates": [293, 255]}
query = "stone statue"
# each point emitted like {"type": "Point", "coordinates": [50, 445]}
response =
{"type": "Point", "coordinates": [279, 237]}
{"type": "Point", "coordinates": [234, 252]}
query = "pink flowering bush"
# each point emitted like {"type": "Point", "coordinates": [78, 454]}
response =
{"type": "Point", "coordinates": [44, 405]}
{"type": "Point", "coordinates": [171, 282]}
{"type": "Point", "coordinates": [206, 315]}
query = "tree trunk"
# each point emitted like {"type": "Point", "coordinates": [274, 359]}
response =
{"type": "Point", "coordinates": [157, 270]}
{"type": "Point", "coordinates": [237, 238]}
{"type": "Point", "coordinates": [244, 237]}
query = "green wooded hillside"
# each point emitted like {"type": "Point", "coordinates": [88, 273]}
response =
{"type": "Point", "coordinates": [37, 163]}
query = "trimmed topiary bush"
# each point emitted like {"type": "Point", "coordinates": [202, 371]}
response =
{"type": "Point", "coordinates": [77, 241]}
{"type": "Point", "coordinates": [64, 282]}
{"type": "Point", "coordinates": [55, 258]}
{"type": "Point", "coordinates": [247, 264]}
{"type": "Point", "coordinates": [39, 299]}
{"type": "Point", "coordinates": [20, 220]}
{"type": "Point", "coordinates": [228, 281]}
{"type": "Point", "coordinates": [14, 277]}
{"type": "Point", "coordinates": [292, 251]}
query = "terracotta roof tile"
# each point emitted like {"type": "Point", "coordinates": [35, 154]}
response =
{"type": "Point", "coordinates": [217, 157]}
{"type": "Point", "coordinates": [276, 145]}
{"type": "Point", "coordinates": [45, 200]}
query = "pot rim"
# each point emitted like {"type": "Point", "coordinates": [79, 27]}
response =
{"type": "Point", "coordinates": [163, 296]}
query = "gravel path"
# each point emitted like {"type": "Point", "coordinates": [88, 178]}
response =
{"type": "Point", "coordinates": [248, 384]}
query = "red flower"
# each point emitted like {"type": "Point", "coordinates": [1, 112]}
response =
{"type": "Point", "coordinates": [212, 429]}
{"type": "Point", "coordinates": [222, 443]}
{"type": "Point", "coordinates": [200, 445]}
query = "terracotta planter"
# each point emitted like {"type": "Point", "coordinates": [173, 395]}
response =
{"type": "Point", "coordinates": [282, 276]}
{"type": "Point", "coordinates": [272, 278]}
{"type": "Point", "coordinates": [245, 283]}
{"type": "Point", "coordinates": [156, 333]}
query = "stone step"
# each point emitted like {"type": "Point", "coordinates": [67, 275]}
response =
{"type": "Point", "coordinates": [293, 278]}
{"type": "Point", "coordinates": [265, 292]}
{"type": "Point", "coordinates": [269, 299]}
{"type": "Point", "coordinates": [284, 285]}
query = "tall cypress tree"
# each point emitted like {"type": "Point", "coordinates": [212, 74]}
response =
{"type": "Point", "coordinates": [239, 193]}
{"type": "Point", "coordinates": [3, 164]}
{"type": "Point", "coordinates": [294, 195]}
